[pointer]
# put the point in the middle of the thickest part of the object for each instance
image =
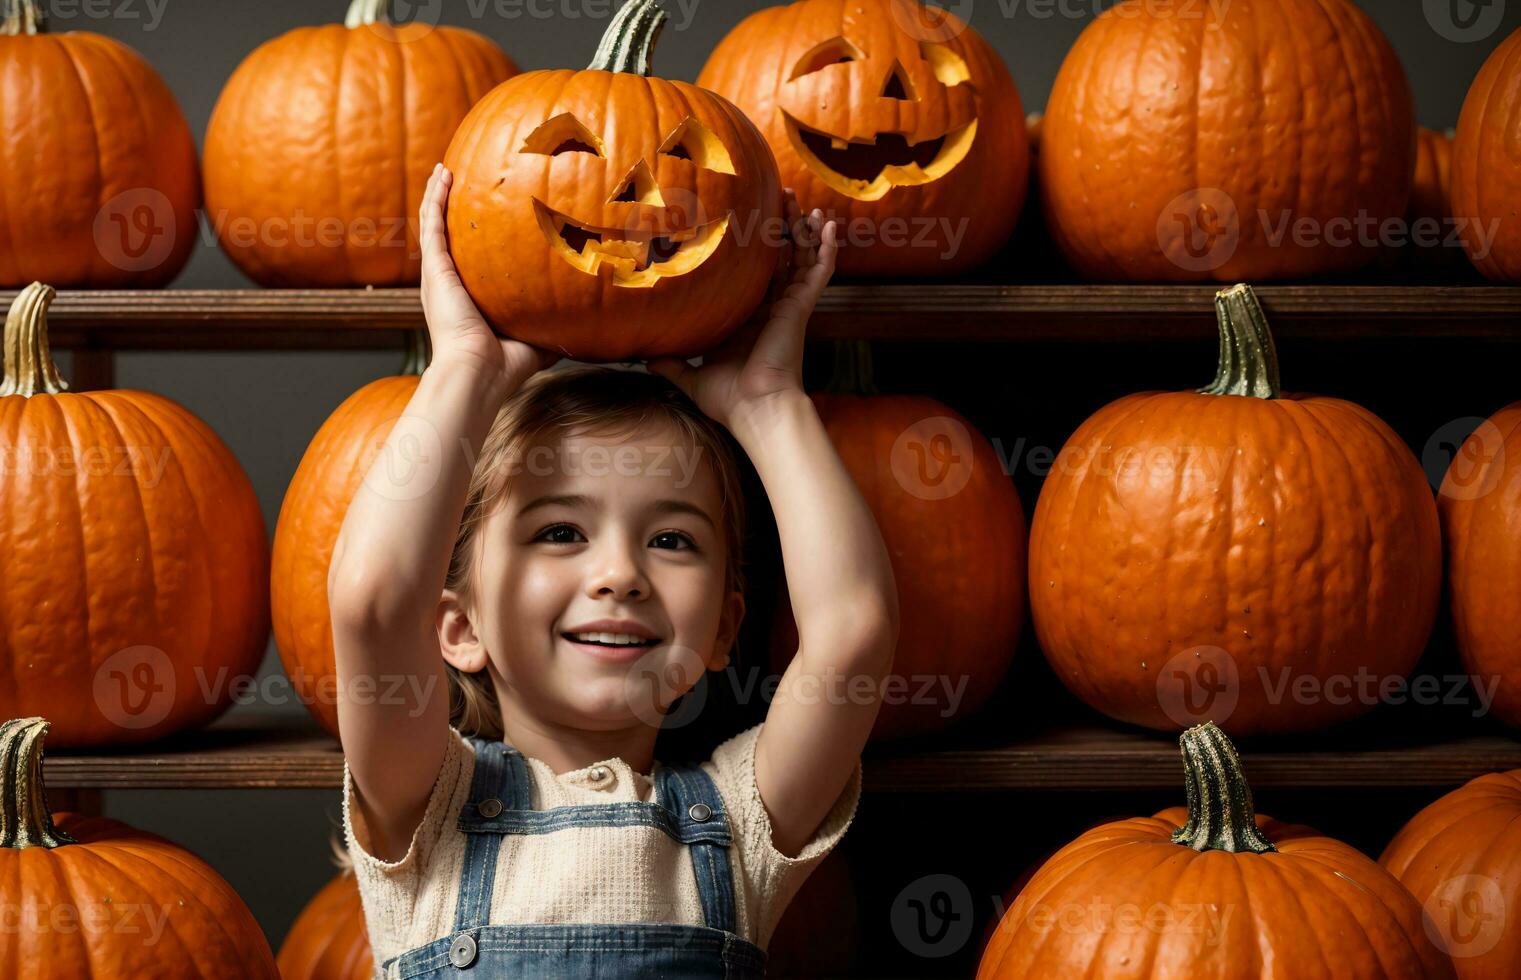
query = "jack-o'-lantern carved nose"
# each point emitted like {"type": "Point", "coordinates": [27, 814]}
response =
{"type": "Point", "coordinates": [898, 85]}
{"type": "Point", "coordinates": [639, 187]}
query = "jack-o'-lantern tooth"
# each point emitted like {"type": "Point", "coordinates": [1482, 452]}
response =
{"type": "Point", "coordinates": [837, 143]}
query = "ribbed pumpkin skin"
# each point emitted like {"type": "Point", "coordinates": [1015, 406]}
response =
{"type": "Point", "coordinates": [1295, 106]}
{"type": "Point", "coordinates": [1300, 535]}
{"type": "Point", "coordinates": [329, 940]}
{"type": "Point", "coordinates": [1486, 167]}
{"type": "Point", "coordinates": [1483, 538]}
{"type": "Point", "coordinates": [980, 196]}
{"type": "Point", "coordinates": [529, 291]}
{"type": "Point", "coordinates": [161, 545]}
{"type": "Point", "coordinates": [339, 128]}
{"type": "Point", "coordinates": [331, 470]}
{"type": "Point", "coordinates": [1315, 909]}
{"type": "Point", "coordinates": [1474, 830]}
{"type": "Point", "coordinates": [171, 917]}
{"type": "Point", "coordinates": [85, 119]}
{"type": "Point", "coordinates": [1431, 196]}
{"type": "Point", "coordinates": [958, 561]}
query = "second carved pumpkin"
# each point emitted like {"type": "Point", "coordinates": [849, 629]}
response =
{"type": "Point", "coordinates": [1234, 553]}
{"type": "Point", "coordinates": [1229, 142]}
{"type": "Point", "coordinates": [321, 144]}
{"type": "Point", "coordinates": [894, 117]}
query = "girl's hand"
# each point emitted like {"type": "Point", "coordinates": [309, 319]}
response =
{"type": "Point", "coordinates": [456, 328]}
{"type": "Point", "coordinates": [765, 357]}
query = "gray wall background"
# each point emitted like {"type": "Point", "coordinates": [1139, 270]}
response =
{"type": "Point", "coordinates": [273, 845]}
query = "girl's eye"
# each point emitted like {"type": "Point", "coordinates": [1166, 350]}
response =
{"type": "Point", "coordinates": [674, 540]}
{"type": "Point", "coordinates": [559, 534]}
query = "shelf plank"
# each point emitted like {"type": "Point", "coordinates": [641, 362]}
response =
{"type": "Point", "coordinates": [372, 319]}
{"type": "Point", "coordinates": [259, 752]}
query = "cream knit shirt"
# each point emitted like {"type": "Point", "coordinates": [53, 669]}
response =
{"type": "Point", "coordinates": [582, 874]}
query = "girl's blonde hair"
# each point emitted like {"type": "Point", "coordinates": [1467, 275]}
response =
{"type": "Point", "coordinates": [551, 406]}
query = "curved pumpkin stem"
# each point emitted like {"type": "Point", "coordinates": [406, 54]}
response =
{"type": "Point", "coordinates": [1248, 359]}
{"type": "Point", "coordinates": [29, 367]}
{"type": "Point", "coordinates": [21, 17]}
{"type": "Point", "coordinates": [629, 42]}
{"type": "Point", "coordinates": [1220, 812]}
{"type": "Point", "coordinates": [418, 354]}
{"type": "Point", "coordinates": [852, 374]}
{"type": "Point", "coordinates": [25, 820]}
{"type": "Point", "coordinates": [362, 12]}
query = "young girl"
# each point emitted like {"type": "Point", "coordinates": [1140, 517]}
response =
{"type": "Point", "coordinates": [575, 585]}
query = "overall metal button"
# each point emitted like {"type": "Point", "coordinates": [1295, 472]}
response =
{"type": "Point", "coordinates": [462, 951]}
{"type": "Point", "coordinates": [490, 808]}
{"type": "Point", "coordinates": [598, 774]}
{"type": "Point", "coordinates": [700, 811]}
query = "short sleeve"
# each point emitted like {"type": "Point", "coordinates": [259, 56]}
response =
{"type": "Point", "coordinates": [771, 877]}
{"type": "Point", "coordinates": [455, 771]}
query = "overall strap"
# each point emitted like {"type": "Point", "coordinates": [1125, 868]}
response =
{"type": "Point", "coordinates": [501, 783]}
{"type": "Point", "coordinates": [691, 796]}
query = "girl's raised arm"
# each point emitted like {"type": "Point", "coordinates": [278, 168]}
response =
{"type": "Point", "coordinates": [392, 554]}
{"type": "Point", "coordinates": [838, 572]}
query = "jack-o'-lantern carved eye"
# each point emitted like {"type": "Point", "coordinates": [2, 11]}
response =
{"type": "Point", "coordinates": [693, 141]}
{"type": "Point", "coordinates": [562, 134]}
{"type": "Point", "coordinates": [949, 67]}
{"type": "Point", "coordinates": [834, 51]}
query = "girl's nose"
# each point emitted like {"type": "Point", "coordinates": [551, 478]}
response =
{"type": "Point", "coordinates": [618, 574]}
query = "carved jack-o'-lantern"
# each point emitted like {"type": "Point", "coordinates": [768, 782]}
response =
{"type": "Point", "coordinates": [610, 215]}
{"type": "Point", "coordinates": [895, 118]}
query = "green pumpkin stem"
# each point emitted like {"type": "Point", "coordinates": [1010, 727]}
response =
{"type": "Point", "coordinates": [418, 353]}
{"type": "Point", "coordinates": [852, 372]}
{"type": "Point", "coordinates": [25, 820]}
{"type": "Point", "coordinates": [362, 12]}
{"type": "Point", "coordinates": [29, 367]}
{"type": "Point", "coordinates": [21, 17]}
{"type": "Point", "coordinates": [1248, 359]}
{"type": "Point", "coordinates": [1220, 812]}
{"type": "Point", "coordinates": [629, 42]}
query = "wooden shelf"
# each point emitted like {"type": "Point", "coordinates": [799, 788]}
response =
{"type": "Point", "coordinates": [370, 319]}
{"type": "Point", "coordinates": [243, 752]}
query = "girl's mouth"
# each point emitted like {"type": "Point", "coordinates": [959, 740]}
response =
{"type": "Point", "coordinates": [612, 646]}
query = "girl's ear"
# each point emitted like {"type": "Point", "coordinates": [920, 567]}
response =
{"type": "Point", "coordinates": [461, 645]}
{"type": "Point", "coordinates": [728, 630]}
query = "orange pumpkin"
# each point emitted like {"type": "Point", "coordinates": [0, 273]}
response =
{"type": "Point", "coordinates": [93, 897]}
{"type": "Point", "coordinates": [329, 940]}
{"type": "Point", "coordinates": [610, 215]}
{"type": "Point", "coordinates": [1234, 553]}
{"type": "Point", "coordinates": [133, 554]}
{"type": "Point", "coordinates": [1190, 142]}
{"type": "Point", "coordinates": [100, 165]}
{"type": "Point", "coordinates": [331, 470]}
{"type": "Point", "coordinates": [1486, 165]}
{"type": "Point", "coordinates": [1212, 891]}
{"type": "Point", "coordinates": [895, 118]}
{"type": "Point", "coordinates": [1479, 502]}
{"type": "Point", "coordinates": [322, 141]}
{"type": "Point", "coordinates": [955, 533]}
{"type": "Point", "coordinates": [1461, 859]}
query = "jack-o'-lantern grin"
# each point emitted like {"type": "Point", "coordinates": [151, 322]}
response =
{"type": "Point", "coordinates": [869, 169]}
{"type": "Point", "coordinates": [631, 256]}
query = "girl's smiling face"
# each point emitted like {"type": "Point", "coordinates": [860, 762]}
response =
{"type": "Point", "coordinates": [601, 589]}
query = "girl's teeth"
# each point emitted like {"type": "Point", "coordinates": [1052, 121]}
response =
{"type": "Point", "coordinates": [620, 639]}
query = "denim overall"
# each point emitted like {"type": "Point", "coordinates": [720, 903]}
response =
{"type": "Point", "coordinates": [686, 807]}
